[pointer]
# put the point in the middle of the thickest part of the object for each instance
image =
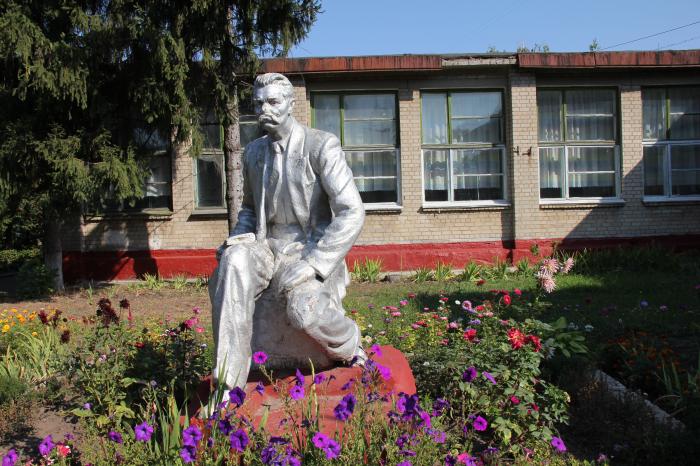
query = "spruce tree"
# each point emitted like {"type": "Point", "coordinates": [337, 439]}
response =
{"type": "Point", "coordinates": [80, 80]}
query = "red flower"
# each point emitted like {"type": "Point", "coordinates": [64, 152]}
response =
{"type": "Point", "coordinates": [411, 295]}
{"type": "Point", "coordinates": [516, 338]}
{"type": "Point", "coordinates": [480, 282]}
{"type": "Point", "coordinates": [535, 341]}
{"type": "Point", "coordinates": [517, 292]}
{"type": "Point", "coordinates": [469, 335]}
{"type": "Point", "coordinates": [479, 308]}
{"type": "Point", "coordinates": [422, 323]}
{"type": "Point", "coordinates": [506, 300]}
{"type": "Point", "coordinates": [138, 344]}
{"type": "Point", "coordinates": [515, 400]}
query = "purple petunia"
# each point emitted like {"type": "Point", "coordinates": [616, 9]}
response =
{"type": "Point", "coordinates": [480, 424]}
{"type": "Point", "coordinates": [225, 426]}
{"type": "Point", "coordinates": [296, 392]}
{"type": "Point", "coordinates": [300, 378]}
{"type": "Point", "coordinates": [191, 436]}
{"type": "Point", "coordinates": [236, 396]}
{"type": "Point", "coordinates": [239, 440]}
{"type": "Point", "coordinates": [10, 458]}
{"type": "Point", "coordinates": [259, 357]}
{"type": "Point", "coordinates": [404, 463]}
{"type": "Point", "coordinates": [46, 445]}
{"type": "Point", "coordinates": [329, 446]}
{"type": "Point", "coordinates": [188, 454]}
{"type": "Point", "coordinates": [143, 432]}
{"type": "Point", "coordinates": [439, 406]}
{"type": "Point", "coordinates": [489, 377]}
{"type": "Point", "coordinates": [345, 407]}
{"type": "Point", "coordinates": [319, 379]}
{"type": "Point", "coordinates": [260, 388]}
{"type": "Point", "coordinates": [115, 436]}
{"type": "Point", "coordinates": [384, 371]}
{"type": "Point", "coordinates": [558, 444]}
{"type": "Point", "coordinates": [470, 374]}
{"type": "Point", "coordinates": [376, 349]}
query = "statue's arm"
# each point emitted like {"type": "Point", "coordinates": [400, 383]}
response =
{"type": "Point", "coordinates": [247, 221]}
{"type": "Point", "coordinates": [345, 203]}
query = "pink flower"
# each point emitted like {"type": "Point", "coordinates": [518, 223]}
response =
{"type": "Point", "coordinates": [199, 330]}
{"type": "Point", "coordinates": [396, 314]}
{"type": "Point", "coordinates": [515, 400]}
{"type": "Point", "coordinates": [444, 342]}
{"type": "Point", "coordinates": [403, 302]}
{"type": "Point", "coordinates": [517, 292]}
{"type": "Point", "coordinates": [453, 325]}
{"type": "Point", "coordinates": [506, 300]}
{"type": "Point", "coordinates": [551, 265]}
{"type": "Point", "coordinates": [568, 265]}
{"type": "Point", "coordinates": [415, 326]}
{"type": "Point", "coordinates": [467, 305]}
{"type": "Point", "coordinates": [546, 281]}
{"type": "Point", "coordinates": [196, 310]}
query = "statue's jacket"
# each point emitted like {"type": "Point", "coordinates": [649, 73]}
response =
{"type": "Point", "coordinates": [323, 195]}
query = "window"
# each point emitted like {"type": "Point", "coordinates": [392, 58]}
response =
{"type": "Point", "coordinates": [463, 150]}
{"type": "Point", "coordinates": [579, 155]}
{"type": "Point", "coordinates": [366, 125]}
{"type": "Point", "coordinates": [210, 180]}
{"type": "Point", "coordinates": [671, 131]}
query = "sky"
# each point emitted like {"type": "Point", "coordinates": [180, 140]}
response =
{"type": "Point", "coordinates": [390, 27]}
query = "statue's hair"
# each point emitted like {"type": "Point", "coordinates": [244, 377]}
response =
{"type": "Point", "coordinates": [277, 79]}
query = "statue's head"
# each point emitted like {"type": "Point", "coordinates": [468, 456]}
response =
{"type": "Point", "coordinates": [273, 99]}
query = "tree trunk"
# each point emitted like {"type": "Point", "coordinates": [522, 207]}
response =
{"type": "Point", "coordinates": [233, 161]}
{"type": "Point", "coordinates": [53, 253]}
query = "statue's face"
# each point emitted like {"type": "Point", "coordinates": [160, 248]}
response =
{"type": "Point", "coordinates": [272, 107]}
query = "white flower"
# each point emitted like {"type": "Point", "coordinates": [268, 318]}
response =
{"type": "Point", "coordinates": [457, 302]}
{"type": "Point", "coordinates": [426, 363]}
{"type": "Point", "coordinates": [588, 328]}
{"type": "Point", "coordinates": [572, 326]}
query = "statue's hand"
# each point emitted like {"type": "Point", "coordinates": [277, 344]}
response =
{"type": "Point", "coordinates": [296, 274]}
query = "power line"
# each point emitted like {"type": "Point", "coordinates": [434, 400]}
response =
{"type": "Point", "coordinates": [667, 46]}
{"type": "Point", "coordinates": [651, 35]}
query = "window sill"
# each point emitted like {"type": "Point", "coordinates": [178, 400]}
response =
{"type": "Point", "coordinates": [580, 203]}
{"type": "Point", "coordinates": [209, 212]}
{"type": "Point", "coordinates": [438, 207]}
{"type": "Point", "coordinates": [147, 214]}
{"type": "Point", "coordinates": [383, 208]}
{"type": "Point", "coordinates": [675, 200]}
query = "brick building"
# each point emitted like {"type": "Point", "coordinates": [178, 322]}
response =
{"type": "Point", "coordinates": [457, 157]}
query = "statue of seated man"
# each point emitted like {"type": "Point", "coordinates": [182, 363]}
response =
{"type": "Point", "coordinates": [300, 215]}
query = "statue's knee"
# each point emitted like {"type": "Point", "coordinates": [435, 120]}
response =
{"type": "Point", "coordinates": [302, 309]}
{"type": "Point", "coordinates": [236, 255]}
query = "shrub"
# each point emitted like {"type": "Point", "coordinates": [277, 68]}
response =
{"type": "Point", "coordinates": [499, 269]}
{"type": "Point", "coordinates": [423, 274]}
{"type": "Point", "coordinates": [34, 280]}
{"type": "Point", "coordinates": [12, 259]}
{"type": "Point", "coordinates": [367, 271]}
{"type": "Point", "coordinates": [472, 271]}
{"type": "Point", "coordinates": [443, 272]}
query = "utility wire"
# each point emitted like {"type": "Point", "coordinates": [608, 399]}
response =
{"type": "Point", "coordinates": [651, 35]}
{"type": "Point", "coordinates": [667, 46]}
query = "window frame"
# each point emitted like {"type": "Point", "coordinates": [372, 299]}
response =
{"type": "Point", "coordinates": [215, 152]}
{"type": "Point", "coordinates": [567, 145]}
{"type": "Point", "coordinates": [396, 147]}
{"type": "Point", "coordinates": [667, 143]}
{"type": "Point", "coordinates": [451, 147]}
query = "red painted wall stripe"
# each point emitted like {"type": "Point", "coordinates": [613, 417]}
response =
{"type": "Point", "coordinates": [122, 265]}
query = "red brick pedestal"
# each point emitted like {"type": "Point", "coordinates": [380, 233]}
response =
{"type": "Point", "coordinates": [339, 381]}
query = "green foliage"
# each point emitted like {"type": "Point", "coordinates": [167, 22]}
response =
{"type": "Point", "coordinates": [13, 259]}
{"type": "Point", "coordinates": [499, 269]}
{"type": "Point", "coordinates": [34, 280]}
{"type": "Point", "coordinates": [423, 274]}
{"type": "Point", "coordinates": [368, 271]}
{"type": "Point", "coordinates": [11, 385]}
{"type": "Point", "coordinates": [179, 282]}
{"type": "Point", "coordinates": [443, 272]}
{"type": "Point", "coordinates": [523, 268]}
{"type": "Point", "coordinates": [632, 259]}
{"type": "Point", "coordinates": [472, 271]}
{"type": "Point", "coordinates": [522, 408]}
{"type": "Point", "coordinates": [152, 281]}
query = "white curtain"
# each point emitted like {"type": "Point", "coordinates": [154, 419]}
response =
{"type": "Point", "coordinates": [654, 113]}
{"type": "Point", "coordinates": [549, 115]}
{"type": "Point", "coordinates": [590, 115]}
{"type": "Point", "coordinates": [434, 118]}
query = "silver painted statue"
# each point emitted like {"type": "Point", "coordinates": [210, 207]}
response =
{"type": "Point", "coordinates": [281, 276]}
